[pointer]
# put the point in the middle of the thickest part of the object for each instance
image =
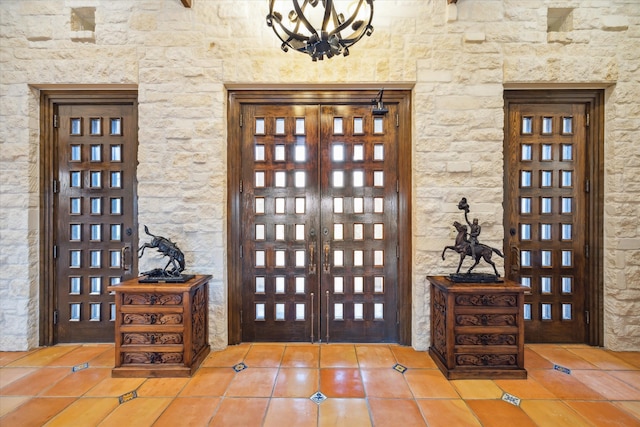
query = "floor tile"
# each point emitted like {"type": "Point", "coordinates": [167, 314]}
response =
{"type": "Point", "coordinates": [477, 389]}
{"type": "Point", "coordinates": [43, 356]}
{"type": "Point", "coordinates": [631, 357]}
{"type": "Point", "coordinates": [162, 387]}
{"type": "Point", "coordinates": [301, 356]}
{"type": "Point", "coordinates": [525, 389]}
{"type": "Point", "coordinates": [633, 408]}
{"type": "Point", "coordinates": [34, 383]}
{"type": "Point", "coordinates": [228, 357]}
{"type": "Point", "coordinates": [36, 412]}
{"type": "Point", "coordinates": [564, 386]}
{"type": "Point", "coordinates": [264, 355]}
{"type": "Point", "coordinates": [9, 375]}
{"type": "Point", "coordinates": [601, 358]}
{"type": "Point", "coordinates": [610, 387]}
{"type": "Point", "coordinates": [338, 356]}
{"type": "Point", "coordinates": [344, 413]}
{"type": "Point", "coordinates": [85, 412]}
{"type": "Point", "coordinates": [498, 413]}
{"type": "Point", "coordinates": [395, 412]}
{"type": "Point", "coordinates": [386, 383]}
{"type": "Point", "coordinates": [7, 357]}
{"type": "Point", "coordinates": [189, 411]}
{"type": "Point", "coordinates": [561, 356]}
{"type": "Point", "coordinates": [603, 413]}
{"type": "Point", "coordinates": [114, 387]}
{"type": "Point", "coordinates": [429, 383]}
{"type": "Point", "coordinates": [106, 359]}
{"type": "Point", "coordinates": [412, 359]}
{"type": "Point", "coordinates": [296, 382]}
{"type": "Point", "coordinates": [209, 382]}
{"type": "Point", "coordinates": [632, 378]}
{"type": "Point", "coordinates": [341, 382]}
{"type": "Point", "coordinates": [301, 412]}
{"type": "Point", "coordinates": [240, 412]}
{"type": "Point", "coordinates": [78, 383]}
{"type": "Point", "coordinates": [140, 412]}
{"type": "Point", "coordinates": [375, 356]}
{"type": "Point", "coordinates": [552, 413]}
{"type": "Point", "coordinates": [252, 382]}
{"type": "Point", "coordinates": [533, 360]}
{"type": "Point", "coordinates": [447, 413]}
{"type": "Point", "coordinates": [9, 403]}
{"type": "Point", "coordinates": [82, 354]}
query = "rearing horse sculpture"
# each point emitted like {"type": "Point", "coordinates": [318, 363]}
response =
{"type": "Point", "coordinates": [463, 247]}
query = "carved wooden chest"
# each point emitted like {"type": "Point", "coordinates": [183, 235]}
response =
{"type": "Point", "coordinates": [477, 329]}
{"type": "Point", "coordinates": [161, 328]}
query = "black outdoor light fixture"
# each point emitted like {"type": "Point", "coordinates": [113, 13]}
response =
{"type": "Point", "coordinates": [316, 28]}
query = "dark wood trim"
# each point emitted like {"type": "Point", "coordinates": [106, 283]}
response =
{"type": "Point", "coordinates": [49, 101]}
{"type": "Point", "coordinates": [593, 99]}
{"type": "Point", "coordinates": [186, 3]}
{"type": "Point", "coordinates": [345, 97]}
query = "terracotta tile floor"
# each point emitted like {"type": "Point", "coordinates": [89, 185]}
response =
{"type": "Point", "coordinates": [361, 387]}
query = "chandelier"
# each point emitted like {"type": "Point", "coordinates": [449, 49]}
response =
{"type": "Point", "coordinates": [315, 27]}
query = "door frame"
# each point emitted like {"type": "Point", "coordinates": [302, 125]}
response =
{"type": "Point", "coordinates": [593, 99]}
{"type": "Point", "coordinates": [49, 100]}
{"type": "Point", "coordinates": [236, 98]}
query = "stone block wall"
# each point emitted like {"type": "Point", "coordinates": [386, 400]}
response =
{"type": "Point", "coordinates": [458, 59]}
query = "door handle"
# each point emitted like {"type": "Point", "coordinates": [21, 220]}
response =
{"type": "Point", "coordinates": [515, 259]}
{"type": "Point", "coordinates": [312, 258]}
{"type": "Point", "coordinates": [327, 265]}
{"type": "Point", "coordinates": [123, 257]}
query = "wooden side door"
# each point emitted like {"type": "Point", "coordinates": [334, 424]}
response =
{"type": "Point", "coordinates": [319, 216]}
{"type": "Point", "coordinates": [94, 214]}
{"type": "Point", "coordinates": [548, 169]}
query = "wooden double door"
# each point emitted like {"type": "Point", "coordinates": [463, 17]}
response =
{"type": "Point", "coordinates": [319, 221]}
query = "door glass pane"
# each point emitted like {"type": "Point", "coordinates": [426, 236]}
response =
{"type": "Point", "coordinates": [300, 311]}
{"type": "Point", "coordinates": [566, 311]}
{"type": "Point", "coordinates": [358, 231]}
{"type": "Point", "coordinates": [96, 153]}
{"type": "Point", "coordinates": [338, 153]}
{"type": "Point", "coordinates": [96, 126]}
{"type": "Point", "coordinates": [545, 179]}
{"type": "Point", "coordinates": [300, 235]}
{"type": "Point", "coordinates": [260, 232]}
{"type": "Point", "coordinates": [280, 179]}
{"type": "Point", "coordinates": [525, 281]}
{"type": "Point", "coordinates": [526, 152]}
{"type": "Point", "coordinates": [358, 258]}
{"type": "Point", "coordinates": [300, 126]}
{"type": "Point", "coordinates": [260, 285]}
{"type": "Point", "coordinates": [525, 258]}
{"type": "Point", "coordinates": [545, 231]}
{"type": "Point", "coordinates": [259, 179]}
{"type": "Point", "coordinates": [338, 179]}
{"type": "Point", "coordinates": [525, 179]}
{"type": "Point", "coordinates": [96, 179]}
{"type": "Point", "coordinates": [300, 205]}
{"type": "Point", "coordinates": [525, 231]}
{"type": "Point", "coordinates": [358, 311]}
{"type": "Point", "coordinates": [525, 205]}
{"type": "Point", "coordinates": [338, 205]}
{"type": "Point", "coordinates": [116, 232]}
{"type": "Point", "coordinates": [378, 152]}
{"type": "Point", "coordinates": [527, 125]}
{"type": "Point", "coordinates": [300, 258]}
{"type": "Point", "coordinates": [567, 125]}
{"type": "Point", "coordinates": [545, 285]}
{"type": "Point", "coordinates": [75, 180]}
{"type": "Point", "coordinates": [378, 123]}
{"type": "Point", "coordinates": [280, 285]}
{"type": "Point", "coordinates": [96, 205]}
{"type": "Point", "coordinates": [546, 258]}
{"type": "Point", "coordinates": [545, 205]}
{"type": "Point", "coordinates": [546, 125]}
{"type": "Point", "coordinates": [378, 258]}
{"type": "Point", "coordinates": [75, 285]}
{"type": "Point", "coordinates": [76, 155]}
{"type": "Point", "coordinates": [280, 205]}
{"type": "Point", "coordinates": [567, 177]}
{"type": "Point", "coordinates": [378, 231]}
{"type": "Point", "coordinates": [76, 126]}
{"type": "Point", "coordinates": [378, 205]}
{"type": "Point", "coordinates": [338, 312]}
{"type": "Point", "coordinates": [378, 311]}
{"type": "Point", "coordinates": [280, 235]}
{"type": "Point", "coordinates": [280, 258]}
{"type": "Point", "coordinates": [116, 126]}
{"type": "Point", "coordinates": [300, 153]}
{"type": "Point", "coordinates": [116, 206]}
{"type": "Point", "coordinates": [259, 153]}
{"type": "Point", "coordinates": [338, 284]}
{"type": "Point", "coordinates": [378, 179]}
{"type": "Point", "coordinates": [260, 311]}
{"type": "Point", "coordinates": [338, 258]}
{"type": "Point", "coordinates": [114, 259]}
{"type": "Point", "coordinates": [546, 311]}
{"type": "Point", "coordinates": [338, 231]}
{"type": "Point", "coordinates": [74, 207]}
{"type": "Point", "coordinates": [358, 285]}
{"type": "Point", "coordinates": [546, 152]}
{"type": "Point", "coordinates": [75, 232]}
{"type": "Point", "coordinates": [95, 259]}
{"type": "Point", "coordinates": [566, 205]}
{"type": "Point", "coordinates": [358, 178]}
{"type": "Point", "coordinates": [116, 153]}
{"type": "Point", "coordinates": [567, 152]}
{"type": "Point", "coordinates": [527, 311]}
{"type": "Point", "coordinates": [358, 205]}
{"type": "Point", "coordinates": [259, 205]}
{"type": "Point", "coordinates": [74, 312]}
{"type": "Point", "coordinates": [378, 284]}
{"type": "Point", "coordinates": [566, 231]}
{"type": "Point", "coordinates": [566, 285]}
{"type": "Point", "coordinates": [116, 179]}
{"type": "Point", "coordinates": [337, 125]}
{"type": "Point", "coordinates": [358, 127]}
{"type": "Point", "coordinates": [279, 126]}
{"type": "Point", "coordinates": [358, 152]}
{"type": "Point", "coordinates": [260, 258]}
{"type": "Point", "coordinates": [96, 232]}
{"type": "Point", "coordinates": [279, 153]}
{"type": "Point", "coordinates": [567, 258]}
{"type": "Point", "coordinates": [300, 285]}
{"type": "Point", "coordinates": [259, 126]}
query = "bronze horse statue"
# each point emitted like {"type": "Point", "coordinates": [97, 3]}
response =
{"type": "Point", "coordinates": [463, 247]}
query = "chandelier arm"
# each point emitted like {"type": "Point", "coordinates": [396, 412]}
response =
{"type": "Point", "coordinates": [301, 16]}
{"type": "Point", "coordinates": [349, 21]}
{"type": "Point", "coordinates": [329, 11]}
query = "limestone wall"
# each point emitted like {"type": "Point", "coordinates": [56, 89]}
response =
{"type": "Point", "coordinates": [457, 58]}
